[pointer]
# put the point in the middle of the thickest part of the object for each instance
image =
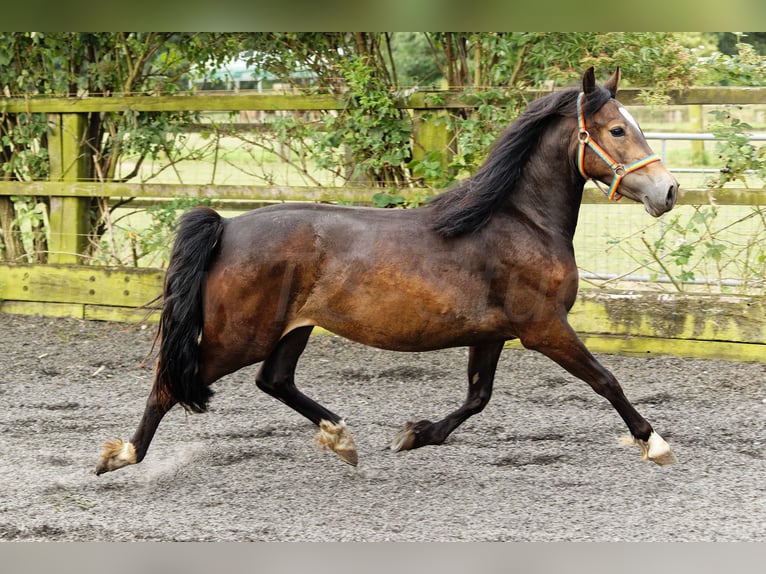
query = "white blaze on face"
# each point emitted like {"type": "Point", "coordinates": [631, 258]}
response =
{"type": "Point", "coordinates": [631, 120]}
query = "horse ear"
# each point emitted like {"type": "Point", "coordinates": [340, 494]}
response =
{"type": "Point", "coordinates": [611, 83]}
{"type": "Point", "coordinates": [589, 80]}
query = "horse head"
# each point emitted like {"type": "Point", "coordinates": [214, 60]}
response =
{"type": "Point", "coordinates": [612, 150]}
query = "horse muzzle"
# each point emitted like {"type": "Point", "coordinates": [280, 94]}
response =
{"type": "Point", "coordinates": [660, 195]}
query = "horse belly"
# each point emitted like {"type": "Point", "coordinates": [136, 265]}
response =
{"type": "Point", "coordinates": [397, 311]}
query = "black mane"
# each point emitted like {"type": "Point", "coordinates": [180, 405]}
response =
{"type": "Point", "coordinates": [470, 204]}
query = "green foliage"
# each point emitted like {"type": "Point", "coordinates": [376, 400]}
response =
{"type": "Point", "coordinates": [32, 222]}
{"type": "Point", "coordinates": [387, 199]}
{"type": "Point", "coordinates": [429, 168]}
{"type": "Point", "coordinates": [149, 242]}
{"type": "Point", "coordinates": [736, 152]}
{"type": "Point", "coordinates": [687, 238]}
{"type": "Point", "coordinates": [294, 56]}
{"type": "Point", "coordinates": [390, 199]}
{"type": "Point", "coordinates": [476, 131]}
{"type": "Point", "coordinates": [497, 67]}
{"type": "Point", "coordinates": [744, 68]}
{"type": "Point", "coordinates": [655, 61]}
{"type": "Point", "coordinates": [415, 64]}
{"type": "Point", "coordinates": [371, 132]}
{"type": "Point", "coordinates": [24, 156]}
{"type": "Point", "coordinates": [370, 139]}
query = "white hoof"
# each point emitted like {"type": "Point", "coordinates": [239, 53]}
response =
{"type": "Point", "coordinates": [337, 437]}
{"type": "Point", "coordinates": [654, 449]}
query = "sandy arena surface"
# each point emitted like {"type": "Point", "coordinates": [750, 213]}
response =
{"type": "Point", "coordinates": [542, 463]}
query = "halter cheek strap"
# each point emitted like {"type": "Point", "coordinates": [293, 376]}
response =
{"type": "Point", "coordinates": [619, 169]}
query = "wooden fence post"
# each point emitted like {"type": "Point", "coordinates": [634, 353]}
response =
{"type": "Point", "coordinates": [68, 163]}
{"type": "Point", "coordinates": [698, 125]}
{"type": "Point", "coordinates": [432, 140]}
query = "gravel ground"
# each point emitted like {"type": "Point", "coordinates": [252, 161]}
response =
{"type": "Point", "coordinates": [542, 463]}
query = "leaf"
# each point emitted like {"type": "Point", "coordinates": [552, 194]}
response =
{"type": "Point", "coordinates": [387, 200]}
{"type": "Point", "coordinates": [715, 250]}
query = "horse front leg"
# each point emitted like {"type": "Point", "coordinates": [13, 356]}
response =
{"type": "Point", "coordinates": [558, 341]}
{"type": "Point", "coordinates": [118, 453]}
{"type": "Point", "coordinates": [482, 363]}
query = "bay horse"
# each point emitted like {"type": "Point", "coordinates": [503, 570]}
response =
{"type": "Point", "coordinates": [485, 262]}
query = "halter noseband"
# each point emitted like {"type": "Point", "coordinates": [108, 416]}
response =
{"type": "Point", "coordinates": [619, 169]}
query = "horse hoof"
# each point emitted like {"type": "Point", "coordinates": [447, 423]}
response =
{"type": "Point", "coordinates": [664, 459]}
{"type": "Point", "coordinates": [116, 454]}
{"type": "Point", "coordinates": [654, 449]}
{"type": "Point", "coordinates": [337, 437]}
{"type": "Point", "coordinates": [404, 439]}
{"type": "Point", "coordinates": [659, 451]}
{"type": "Point", "coordinates": [412, 435]}
{"type": "Point", "coordinates": [348, 456]}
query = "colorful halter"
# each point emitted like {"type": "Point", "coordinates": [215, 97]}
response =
{"type": "Point", "coordinates": [619, 169]}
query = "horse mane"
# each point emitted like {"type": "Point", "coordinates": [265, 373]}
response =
{"type": "Point", "coordinates": [470, 204]}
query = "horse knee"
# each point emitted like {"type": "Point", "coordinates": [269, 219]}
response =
{"type": "Point", "coordinates": [475, 404]}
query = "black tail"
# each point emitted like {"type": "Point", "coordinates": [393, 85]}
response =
{"type": "Point", "coordinates": [181, 320]}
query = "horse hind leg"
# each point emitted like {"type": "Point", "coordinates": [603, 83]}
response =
{"type": "Point", "coordinates": [276, 377]}
{"type": "Point", "coordinates": [482, 363]}
{"type": "Point", "coordinates": [117, 453]}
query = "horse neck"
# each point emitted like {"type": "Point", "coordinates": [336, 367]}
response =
{"type": "Point", "coordinates": [550, 190]}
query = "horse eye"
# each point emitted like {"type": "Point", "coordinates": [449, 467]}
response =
{"type": "Point", "coordinates": [617, 132]}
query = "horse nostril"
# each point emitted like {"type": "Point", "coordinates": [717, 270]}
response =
{"type": "Point", "coordinates": [671, 197]}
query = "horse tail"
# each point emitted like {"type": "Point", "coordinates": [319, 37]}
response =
{"type": "Point", "coordinates": [181, 320]}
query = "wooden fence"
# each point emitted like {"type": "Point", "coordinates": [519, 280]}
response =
{"type": "Point", "coordinates": [732, 327]}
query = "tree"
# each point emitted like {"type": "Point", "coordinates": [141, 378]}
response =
{"type": "Point", "coordinates": [727, 42]}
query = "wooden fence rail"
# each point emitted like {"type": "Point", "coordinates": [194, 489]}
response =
{"type": "Point", "coordinates": [423, 100]}
{"type": "Point", "coordinates": [716, 327]}
{"type": "Point", "coordinates": [276, 193]}
{"type": "Point", "coordinates": [639, 323]}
